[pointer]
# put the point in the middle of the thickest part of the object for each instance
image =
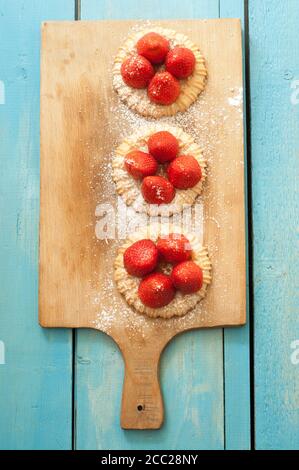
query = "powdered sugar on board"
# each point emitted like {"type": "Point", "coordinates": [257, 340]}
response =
{"type": "Point", "coordinates": [216, 115]}
{"type": "Point", "coordinates": [237, 98]}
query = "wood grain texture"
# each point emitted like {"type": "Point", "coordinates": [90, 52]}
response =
{"type": "Point", "coordinates": [275, 149]}
{"type": "Point", "coordinates": [141, 388]}
{"type": "Point", "coordinates": [75, 179]}
{"type": "Point", "coordinates": [236, 341]}
{"type": "Point", "coordinates": [36, 379]}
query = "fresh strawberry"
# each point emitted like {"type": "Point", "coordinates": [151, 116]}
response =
{"type": "Point", "coordinates": [163, 88]}
{"type": "Point", "coordinates": [187, 277]}
{"type": "Point", "coordinates": [137, 71]}
{"type": "Point", "coordinates": [140, 164]}
{"type": "Point", "coordinates": [141, 258]}
{"type": "Point", "coordinates": [163, 146]}
{"type": "Point", "coordinates": [156, 290]}
{"type": "Point", "coordinates": [174, 248]}
{"type": "Point", "coordinates": [153, 47]}
{"type": "Point", "coordinates": [180, 62]}
{"type": "Point", "coordinates": [157, 190]}
{"type": "Point", "coordinates": [184, 172]}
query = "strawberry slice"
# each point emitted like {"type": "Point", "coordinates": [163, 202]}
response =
{"type": "Point", "coordinates": [157, 190]}
{"type": "Point", "coordinates": [180, 62]}
{"type": "Point", "coordinates": [163, 146]}
{"type": "Point", "coordinates": [140, 164]}
{"type": "Point", "coordinates": [184, 172]}
{"type": "Point", "coordinates": [163, 88]}
{"type": "Point", "coordinates": [187, 277]}
{"type": "Point", "coordinates": [137, 71]}
{"type": "Point", "coordinates": [156, 290]}
{"type": "Point", "coordinates": [175, 248]}
{"type": "Point", "coordinates": [141, 258]}
{"type": "Point", "coordinates": [153, 47]}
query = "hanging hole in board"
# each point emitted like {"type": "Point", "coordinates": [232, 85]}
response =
{"type": "Point", "coordinates": [140, 407]}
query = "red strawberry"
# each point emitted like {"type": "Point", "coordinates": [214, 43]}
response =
{"type": "Point", "coordinates": [174, 248]}
{"type": "Point", "coordinates": [156, 290]}
{"type": "Point", "coordinates": [137, 71]}
{"type": "Point", "coordinates": [180, 62]}
{"type": "Point", "coordinates": [184, 172]}
{"type": "Point", "coordinates": [187, 277]}
{"type": "Point", "coordinates": [163, 146]}
{"type": "Point", "coordinates": [140, 164]}
{"type": "Point", "coordinates": [153, 47]}
{"type": "Point", "coordinates": [141, 258]}
{"type": "Point", "coordinates": [157, 190]}
{"type": "Point", "coordinates": [163, 88]}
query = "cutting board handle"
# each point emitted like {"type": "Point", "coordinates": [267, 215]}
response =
{"type": "Point", "coordinates": [142, 403]}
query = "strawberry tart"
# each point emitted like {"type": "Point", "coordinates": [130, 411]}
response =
{"type": "Point", "coordinates": [162, 273]}
{"type": "Point", "coordinates": [159, 171]}
{"type": "Point", "coordinates": [159, 72]}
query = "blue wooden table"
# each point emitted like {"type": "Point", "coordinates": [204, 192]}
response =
{"type": "Point", "coordinates": [226, 389]}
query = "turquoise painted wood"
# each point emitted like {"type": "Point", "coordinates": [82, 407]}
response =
{"type": "Point", "coordinates": [236, 341]}
{"type": "Point", "coordinates": [274, 65]}
{"type": "Point", "coordinates": [148, 9]}
{"type": "Point", "coordinates": [36, 381]}
{"type": "Point", "coordinates": [192, 366]}
{"type": "Point", "coordinates": [191, 375]}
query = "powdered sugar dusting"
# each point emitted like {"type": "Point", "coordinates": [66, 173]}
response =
{"type": "Point", "coordinates": [237, 98]}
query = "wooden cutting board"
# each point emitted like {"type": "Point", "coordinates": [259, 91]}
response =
{"type": "Point", "coordinates": [82, 121]}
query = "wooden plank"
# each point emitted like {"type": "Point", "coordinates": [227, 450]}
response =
{"type": "Point", "coordinates": [79, 269]}
{"type": "Point", "coordinates": [274, 65]}
{"type": "Point", "coordinates": [36, 380]}
{"type": "Point", "coordinates": [72, 186]}
{"type": "Point", "coordinates": [236, 341]}
{"type": "Point", "coordinates": [99, 370]}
